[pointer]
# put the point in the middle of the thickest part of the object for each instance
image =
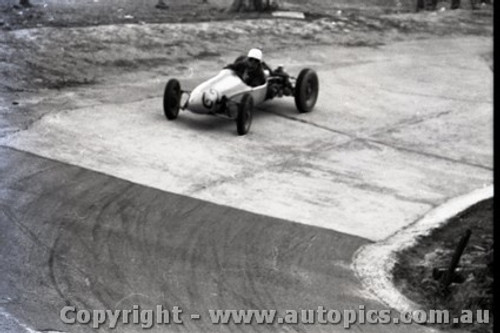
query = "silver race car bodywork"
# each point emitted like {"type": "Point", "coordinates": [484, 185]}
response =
{"type": "Point", "coordinates": [227, 95]}
{"type": "Point", "coordinates": [207, 98]}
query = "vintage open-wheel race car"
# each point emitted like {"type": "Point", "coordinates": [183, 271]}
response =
{"type": "Point", "coordinates": [227, 95]}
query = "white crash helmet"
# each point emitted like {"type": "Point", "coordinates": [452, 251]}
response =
{"type": "Point", "coordinates": [255, 54]}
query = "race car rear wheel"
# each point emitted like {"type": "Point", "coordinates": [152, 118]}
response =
{"type": "Point", "coordinates": [306, 90]}
{"type": "Point", "coordinates": [172, 99]}
{"type": "Point", "coordinates": [245, 115]}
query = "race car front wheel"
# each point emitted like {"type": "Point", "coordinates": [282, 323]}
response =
{"type": "Point", "coordinates": [306, 90]}
{"type": "Point", "coordinates": [245, 115]}
{"type": "Point", "coordinates": [172, 99]}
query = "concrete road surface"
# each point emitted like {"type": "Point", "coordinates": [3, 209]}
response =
{"type": "Point", "coordinates": [208, 220]}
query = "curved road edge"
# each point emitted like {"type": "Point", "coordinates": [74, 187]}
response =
{"type": "Point", "coordinates": [10, 324]}
{"type": "Point", "coordinates": [373, 263]}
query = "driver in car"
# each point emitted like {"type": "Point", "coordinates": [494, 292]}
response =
{"type": "Point", "coordinates": [250, 69]}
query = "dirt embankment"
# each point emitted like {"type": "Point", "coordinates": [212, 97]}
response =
{"type": "Point", "coordinates": [54, 58]}
{"type": "Point", "coordinates": [51, 57]}
{"type": "Point", "coordinates": [79, 13]}
{"type": "Point", "coordinates": [101, 38]}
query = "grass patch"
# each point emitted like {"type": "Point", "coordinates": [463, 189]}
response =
{"type": "Point", "coordinates": [413, 272]}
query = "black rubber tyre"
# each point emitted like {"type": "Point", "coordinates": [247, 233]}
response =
{"type": "Point", "coordinates": [245, 115]}
{"type": "Point", "coordinates": [172, 99]}
{"type": "Point", "coordinates": [306, 90]}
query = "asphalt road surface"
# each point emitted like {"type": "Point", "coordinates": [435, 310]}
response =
{"type": "Point", "coordinates": [74, 236]}
{"type": "Point", "coordinates": [105, 204]}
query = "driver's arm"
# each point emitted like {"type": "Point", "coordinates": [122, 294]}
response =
{"type": "Point", "coordinates": [266, 67]}
{"type": "Point", "coordinates": [260, 75]}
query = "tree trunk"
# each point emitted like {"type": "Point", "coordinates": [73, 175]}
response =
{"type": "Point", "coordinates": [420, 5]}
{"type": "Point", "coordinates": [25, 3]}
{"type": "Point", "coordinates": [259, 5]}
{"type": "Point", "coordinates": [236, 6]}
{"type": "Point", "coordinates": [455, 4]}
{"type": "Point", "coordinates": [250, 5]}
{"type": "Point", "coordinates": [162, 5]}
